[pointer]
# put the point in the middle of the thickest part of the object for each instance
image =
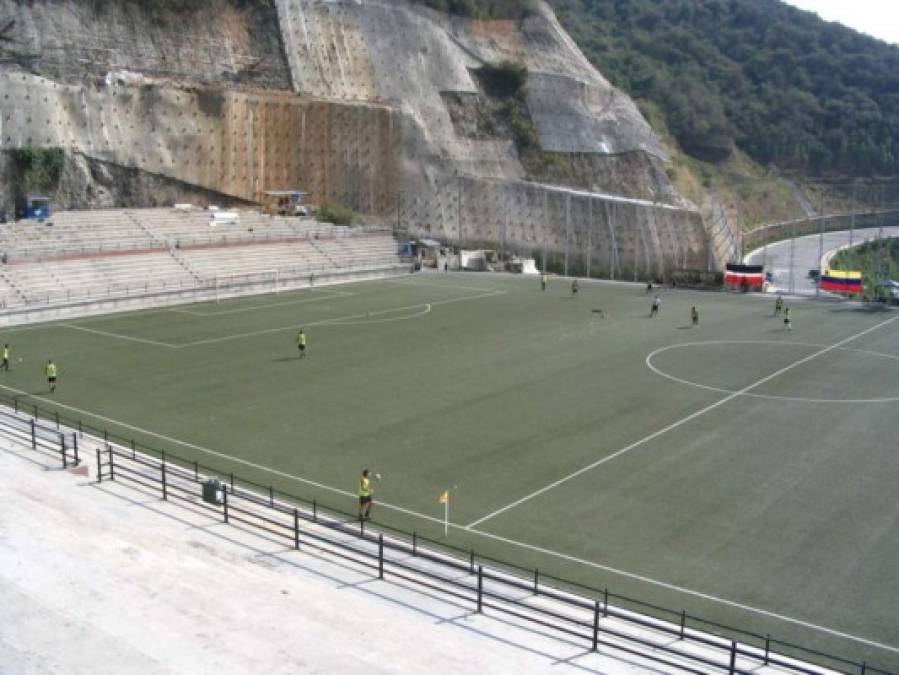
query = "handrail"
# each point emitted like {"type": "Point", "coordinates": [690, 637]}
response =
{"type": "Point", "coordinates": [162, 288]}
{"type": "Point", "coordinates": [568, 609]}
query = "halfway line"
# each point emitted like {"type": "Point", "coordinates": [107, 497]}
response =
{"type": "Point", "coordinates": [675, 425]}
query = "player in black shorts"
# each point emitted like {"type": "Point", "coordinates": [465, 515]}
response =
{"type": "Point", "coordinates": [301, 343]}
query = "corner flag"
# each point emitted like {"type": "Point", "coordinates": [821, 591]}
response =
{"type": "Point", "coordinates": [444, 499]}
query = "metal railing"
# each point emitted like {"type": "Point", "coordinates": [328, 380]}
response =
{"type": "Point", "coordinates": [204, 289]}
{"type": "Point", "coordinates": [574, 612]}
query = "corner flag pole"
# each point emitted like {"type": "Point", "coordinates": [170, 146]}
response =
{"type": "Point", "coordinates": [444, 499]}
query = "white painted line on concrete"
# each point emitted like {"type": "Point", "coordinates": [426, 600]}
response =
{"type": "Point", "coordinates": [487, 535]}
{"type": "Point", "coordinates": [675, 425]}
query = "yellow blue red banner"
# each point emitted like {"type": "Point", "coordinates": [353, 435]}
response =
{"type": "Point", "coordinates": [841, 281]}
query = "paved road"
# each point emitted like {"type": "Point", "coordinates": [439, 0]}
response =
{"type": "Point", "coordinates": [806, 256]}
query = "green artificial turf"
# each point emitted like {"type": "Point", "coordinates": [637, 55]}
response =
{"type": "Point", "coordinates": [782, 498]}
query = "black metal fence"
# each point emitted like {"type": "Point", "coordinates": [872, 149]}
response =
{"type": "Point", "coordinates": [527, 596]}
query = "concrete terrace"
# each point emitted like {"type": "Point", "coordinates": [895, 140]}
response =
{"type": "Point", "coordinates": [107, 578]}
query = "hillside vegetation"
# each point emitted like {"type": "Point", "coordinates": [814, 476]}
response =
{"type": "Point", "coordinates": [780, 84]}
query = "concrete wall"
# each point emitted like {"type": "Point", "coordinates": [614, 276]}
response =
{"type": "Point", "coordinates": [233, 142]}
{"type": "Point", "coordinates": [221, 41]}
{"type": "Point", "coordinates": [365, 124]}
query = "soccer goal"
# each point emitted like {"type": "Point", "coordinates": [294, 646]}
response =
{"type": "Point", "coordinates": [253, 283]}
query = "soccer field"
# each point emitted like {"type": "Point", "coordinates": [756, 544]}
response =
{"type": "Point", "coordinates": [738, 471]}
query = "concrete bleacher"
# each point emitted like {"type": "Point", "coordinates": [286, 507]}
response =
{"type": "Point", "coordinates": [131, 252]}
{"type": "Point", "coordinates": [75, 232]}
{"type": "Point", "coordinates": [66, 280]}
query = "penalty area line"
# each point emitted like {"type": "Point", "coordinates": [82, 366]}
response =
{"type": "Point", "coordinates": [467, 529]}
{"type": "Point", "coordinates": [95, 331]}
{"type": "Point", "coordinates": [332, 295]}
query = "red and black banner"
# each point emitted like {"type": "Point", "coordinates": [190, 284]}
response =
{"type": "Point", "coordinates": [744, 276]}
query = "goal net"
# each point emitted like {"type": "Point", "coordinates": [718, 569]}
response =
{"type": "Point", "coordinates": [252, 283]}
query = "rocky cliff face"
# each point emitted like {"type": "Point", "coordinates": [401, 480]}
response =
{"type": "Point", "coordinates": [376, 104]}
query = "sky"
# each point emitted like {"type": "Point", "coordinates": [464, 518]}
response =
{"type": "Point", "coordinates": [879, 18]}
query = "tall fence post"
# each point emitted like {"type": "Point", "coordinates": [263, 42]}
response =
{"type": "Point", "coordinates": [75, 447]}
{"type": "Point", "coordinates": [165, 491]}
{"type": "Point", "coordinates": [605, 602]}
{"type": "Point", "coordinates": [595, 625]}
{"type": "Point", "coordinates": [767, 647]}
{"type": "Point", "coordinates": [314, 511]}
{"type": "Point", "coordinates": [414, 543]}
{"type": "Point", "coordinates": [111, 464]}
{"type": "Point", "coordinates": [133, 450]}
{"type": "Point", "coordinates": [33, 436]}
{"type": "Point", "coordinates": [225, 502]}
{"type": "Point", "coordinates": [99, 467]}
{"type": "Point", "coordinates": [683, 622]}
{"type": "Point", "coordinates": [480, 588]}
{"type": "Point", "coordinates": [296, 529]}
{"type": "Point", "coordinates": [380, 556]}
{"type": "Point", "coordinates": [536, 581]}
{"type": "Point", "coordinates": [62, 450]}
{"type": "Point", "coordinates": [271, 496]}
{"type": "Point", "coordinates": [733, 656]}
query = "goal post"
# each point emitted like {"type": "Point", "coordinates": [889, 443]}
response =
{"type": "Point", "coordinates": [251, 283]}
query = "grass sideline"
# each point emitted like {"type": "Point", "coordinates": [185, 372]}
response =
{"type": "Point", "coordinates": [776, 502]}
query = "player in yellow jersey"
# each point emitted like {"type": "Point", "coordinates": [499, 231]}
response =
{"type": "Point", "coordinates": [365, 494]}
{"type": "Point", "coordinates": [52, 371]}
{"type": "Point", "coordinates": [301, 344]}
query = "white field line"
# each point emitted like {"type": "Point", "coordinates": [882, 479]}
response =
{"type": "Point", "coordinates": [405, 317]}
{"type": "Point", "coordinates": [214, 453]}
{"type": "Point", "coordinates": [686, 591]}
{"type": "Point", "coordinates": [487, 535]}
{"type": "Point", "coordinates": [337, 321]}
{"type": "Point", "coordinates": [775, 397]}
{"type": "Point", "coordinates": [675, 425]}
{"type": "Point", "coordinates": [419, 284]}
{"type": "Point", "coordinates": [256, 308]}
{"type": "Point", "coordinates": [117, 335]}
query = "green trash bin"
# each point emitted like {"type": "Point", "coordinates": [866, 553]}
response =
{"type": "Point", "coordinates": [212, 492]}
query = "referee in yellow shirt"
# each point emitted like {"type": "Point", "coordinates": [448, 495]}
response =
{"type": "Point", "coordinates": [365, 496]}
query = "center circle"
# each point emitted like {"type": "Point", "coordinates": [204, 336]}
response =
{"type": "Point", "coordinates": [710, 346]}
